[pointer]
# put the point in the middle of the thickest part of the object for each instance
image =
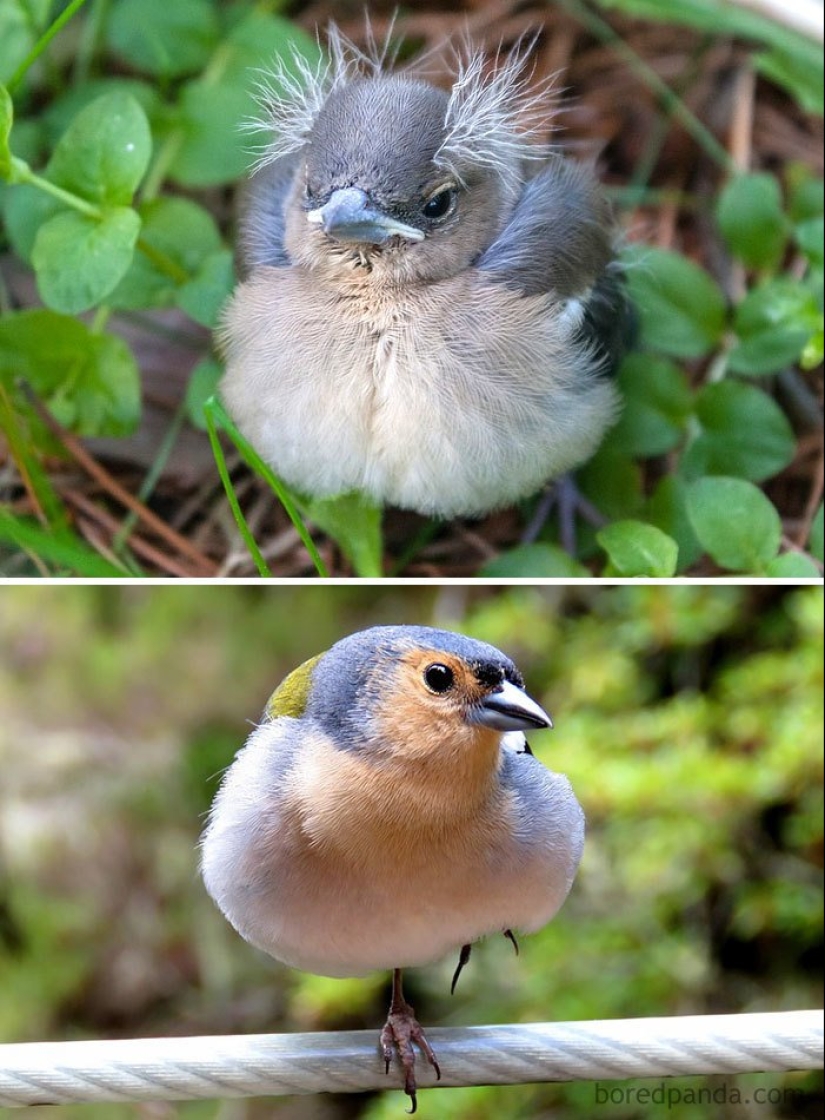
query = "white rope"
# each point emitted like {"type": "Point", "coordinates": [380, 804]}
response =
{"type": "Point", "coordinates": [264, 1065]}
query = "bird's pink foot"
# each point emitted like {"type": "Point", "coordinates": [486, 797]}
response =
{"type": "Point", "coordinates": [398, 1034]}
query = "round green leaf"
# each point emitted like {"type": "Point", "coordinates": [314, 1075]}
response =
{"type": "Point", "coordinates": [613, 482]}
{"type": "Point", "coordinates": [18, 30]}
{"type": "Point", "coordinates": [810, 237]}
{"type": "Point", "coordinates": [214, 149]}
{"type": "Point", "coordinates": [773, 323]}
{"type": "Point", "coordinates": [734, 522]}
{"type": "Point", "coordinates": [79, 261]}
{"type": "Point", "coordinates": [259, 37]}
{"type": "Point", "coordinates": [354, 523]}
{"type": "Point", "coordinates": [62, 111]}
{"type": "Point", "coordinates": [105, 151]}
{"type": "Point", "coordinates": [638, 550]}
{"type": "Point", "coordinates": [178, 236]}
{"type": "Point", "coordinates": [29, 145]}
{"type": "Point", "coordinates": [534, 561]}
{"type": "Point", "coordinates": [667, 510]}
{"type": "Point", "coordinates": [792, 565]}
{"type": "Point", "coordinates": [89, 381]}
{"type": "Point", "coordinates": [208, 290]}
{"type": "Point", "coordinates": [807, 193]}
{"type": "Point", "coordinates": [657, 403]}
{"type": "Point", "coordinates": [25, 209]}
{"type": "Point", "coordinates": [743, 433]}
{"type": "Point", "coordinates": [166, 37]}
{"type": "Point", "coordinates": [681, 309]}
{"type": "Point", "coordinates": [752, 220]}
{"type": "Point", "coordinates": [203, 383]}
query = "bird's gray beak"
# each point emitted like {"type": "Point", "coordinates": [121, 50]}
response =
{"type": "Point", "coordinates": [349, 216]}
{"type": "Point", "coordinates": [510, 709]}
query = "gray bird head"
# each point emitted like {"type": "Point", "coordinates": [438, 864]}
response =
{"type": "Point", "coordinates": [391, 173]}
{"type": "Point", "coordinates": [349, 679]}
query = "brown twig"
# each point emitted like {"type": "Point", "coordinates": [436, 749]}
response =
{"type": "Point", "coordinates": [203, 565]}
{"type": "Point", "coordinates": [95, 514]}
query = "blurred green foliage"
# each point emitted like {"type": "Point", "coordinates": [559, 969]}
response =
{"type": "Point", "coordinates": [689, 720]}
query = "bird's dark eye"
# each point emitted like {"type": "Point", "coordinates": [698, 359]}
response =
{"type": "Point", "coordinates": [439, 205]}
{"type": "Point", "coordinates": [439, 678]}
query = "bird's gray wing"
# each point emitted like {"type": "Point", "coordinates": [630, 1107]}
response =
{"type": "Point", "coordinates": [559, 240]}
{"type": "Point", "coordinates": [261, 240]}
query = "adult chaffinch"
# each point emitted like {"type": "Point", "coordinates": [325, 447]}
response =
{"type": "Point", "coordinates": [431, 307]}
{"type": "Point", "coordinates": [388, 811]}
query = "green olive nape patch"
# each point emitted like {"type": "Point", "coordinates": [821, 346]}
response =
{"type": "Point", "coordinates": [290, 697]}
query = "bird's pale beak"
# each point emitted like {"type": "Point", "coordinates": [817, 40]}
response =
{"type": "Point", "coordinates": [350, 216]}
{"type": "Point", "coordinates": [510, 709]}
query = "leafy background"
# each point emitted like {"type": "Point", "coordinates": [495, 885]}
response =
{"type": "Point", "coordinates": [116, 227]}
{"type": "Point", "coordinates": [689, 720]}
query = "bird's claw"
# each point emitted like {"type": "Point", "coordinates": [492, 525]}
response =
{"type": "Point", "coordinates": [398, 1034]}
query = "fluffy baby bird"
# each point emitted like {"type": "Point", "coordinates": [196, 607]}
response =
{"type": "Point", "coordinates": [431, 308]}
{"type": "Point", "coordinates": [388, 811]}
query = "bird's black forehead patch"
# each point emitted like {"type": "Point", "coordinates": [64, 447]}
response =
{"type": "Point", "coordinates": [379, 135]}
{"type": "Point", "coordinates": [489, 674]}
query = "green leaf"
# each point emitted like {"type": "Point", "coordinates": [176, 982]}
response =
{"type": "Point", "coordinates": [25, 209]}
{"type": "Point", "coordinates": [62, 111]}
{"type": "Point", "coordinates": [667, 510]}
{"type": "Point", "coordinates": [355, 526]}
{"type": "Point", "coordinates": [259, 37]}
{"type": "Point", "coordinates": [104, 153]}
{"type": "Point", "coordinates": [809, 235]}
{"type": "Point", "coordinates": [816, 541]}
{"type": "Point", "coordinates": [613, 482]}
{"type": "Point", "coordinates": [814, 352]}
{"type": "Point", "coordinates": [681, 309]}
{"type": "Point", "coordinates": [799, 72]}
{"type": "Point", "coordinates": [806, 193]}
{"type": "Point", "coordinates": [214, 149]}
{"type": "Point", "coordinates": [6, 121]}
{"type": "Point", "coordinates": [89, 381]}
{"type": "Point", "coordinates": [638, 550]}
{"type": "Point", "coordinates": [19, 23]}
{"type": "Point", "coordinates": [773, 323]}
{"type": "Point", "coordinates": [792, 565]}
{"type": "Point", "coordinates": [59, 547]}
{"type": "Point", "coordinates": [743, 433]}
{"type": "Point", "coordinates": [203, 383]}
{"type": "Point", "coordinates": [534, 561]}
{"type": "Point", "coordinates": [178, 236]}
{"type": "Point", "coordinates": [735, 523]}
{"type": "Point", "coordinates": [80, 260]}
{"type": "Point", "coordinates": [29, 145]}
{"type": "Point", "coordinates": [790, 58]}
{"type": "Point", "coordinates": [204, 295]}
{"type": "Point", "coordinates": [752, 221]}
{"type": "Point", "coordinates": [27, 446]}
{"type": "Point", "coordinates": [165, 37]}
{"type": "Point", "coordinates": [657, 403]}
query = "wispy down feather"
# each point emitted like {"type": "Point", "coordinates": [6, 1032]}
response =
{"type": "Point", "coordinates": [494, 116]}
{"type": "Point", "coordinates": [291, 93]}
